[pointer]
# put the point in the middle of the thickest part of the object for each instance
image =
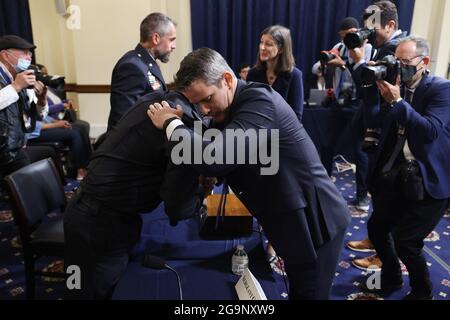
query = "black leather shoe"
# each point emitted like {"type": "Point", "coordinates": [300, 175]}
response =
{"type": "Point", "coordinates": [385, 287]}
{"type": "Point", "coordinates": [418, 296]}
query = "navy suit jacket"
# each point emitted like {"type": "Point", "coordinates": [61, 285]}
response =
{"type": "Point", "coordinates": [288, 84]}
{"type": "Point", "coordinates": [427, 123]}
{"type": "Point", "coordinates": [300, 183]}
{"type": "Point", "coordinates": [134, 75]}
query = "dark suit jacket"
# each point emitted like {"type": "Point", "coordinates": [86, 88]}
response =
{"type": "Point", "coordinates": [300, 183]}
{"type": "Point", "coordinates": [427, 123]}
{"type": "Point", "coordinates": [134, 75]}
{"type": "Point", "coordinates": [288, 84]}
{"type": "Point", "coordinates": [131, 171]}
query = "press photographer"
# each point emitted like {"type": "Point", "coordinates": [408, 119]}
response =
{"type": "Point", "coordinates": [384, 20]}
{"type": "Point", "coordinates": [410, 184]}
{"type": "Point", "coordinates": [345, 107]}
{"type": "Point", "coordinates": [19, 107]}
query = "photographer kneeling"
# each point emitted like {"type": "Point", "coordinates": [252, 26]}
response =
{"type": "Point", "coordinates": [410, 184]}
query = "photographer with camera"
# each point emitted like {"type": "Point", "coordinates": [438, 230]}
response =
{"type": "Point", "coordinates": [385, 36]}
{"type": "Point", "coordinates": [345, 108]}
{"type": "Point", "coordinates": [410, 183]}
{"type": "Point", "coordinates": [19, 106]}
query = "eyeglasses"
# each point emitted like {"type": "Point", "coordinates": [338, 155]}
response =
{"type": "Point", "coordinates": [408, 62]}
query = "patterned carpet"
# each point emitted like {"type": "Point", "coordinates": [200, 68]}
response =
{"type": "Point", "coordinates": [12, 280]}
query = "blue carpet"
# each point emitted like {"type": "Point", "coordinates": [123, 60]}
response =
{"type": "Point", "coordinates": [205, 265]}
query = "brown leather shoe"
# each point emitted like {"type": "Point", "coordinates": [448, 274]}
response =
{"type": "Point", "coordinates": [372, 263]}
{"type": "Point", "coordinates": [361, 246]}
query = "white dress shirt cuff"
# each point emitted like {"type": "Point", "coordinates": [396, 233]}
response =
{"type": "Point", "coordinates": [172, 126]}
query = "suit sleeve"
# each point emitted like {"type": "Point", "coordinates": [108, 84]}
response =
{"type": "Point", "coordinates": [226, 148]}
{"type": "Point", "coordinates": [128, 84]}
{"type": "Point", "coordinates": [295, 94]}
{"type": "Point", "coordinates": [181, 193]}
{"type": "Point", "coordinates": [433, 121]}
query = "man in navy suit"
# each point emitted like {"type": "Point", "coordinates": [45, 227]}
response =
{"type": "Point", "coordinates": [137, 72]}
{"type": "Point", "coordinates": [302, 212]}
{"type": "Point", "coordinates": [411, 181]}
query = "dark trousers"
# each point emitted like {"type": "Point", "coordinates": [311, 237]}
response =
{"type": "Point", "coordinates": [339, 120]}
{"type": "Point", "coordinates": [99, 241]}
{"type": "Point", "coordinates": [312, 281]}
{"type": "Point", "coordinates": [397, 229]}
{"type": "Point", "coordinates": [80, 152]}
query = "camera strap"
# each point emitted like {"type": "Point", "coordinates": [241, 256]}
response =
{"type": "Point", "coordinates": [401, 139]}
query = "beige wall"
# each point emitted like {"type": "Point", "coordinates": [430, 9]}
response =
{"type": "Point", "coordinates": [109, 28]}
{"type": "Point", "coordinates": [431, 21]}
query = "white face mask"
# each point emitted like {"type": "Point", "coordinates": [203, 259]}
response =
{"type": "Point", "coordinates": [22, 63]}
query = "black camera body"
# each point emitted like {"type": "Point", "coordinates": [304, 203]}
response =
{"type": "Point", "coordinates": [57, 83]}
{"type": "Point", "coordinates": [326, 56]}
{"type": "Point", "coordinates": [356, 39]}
{"type": "Point", "coordinates": [386, 69]}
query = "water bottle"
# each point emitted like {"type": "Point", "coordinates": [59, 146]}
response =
{"type": "Point", "coordinates": [239, 261]}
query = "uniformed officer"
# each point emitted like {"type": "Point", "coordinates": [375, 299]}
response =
{"type": "Point", "coordinates": [137, 72]}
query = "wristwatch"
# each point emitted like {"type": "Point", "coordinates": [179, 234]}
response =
{"type": "Point", "coordinates": [394, 102]}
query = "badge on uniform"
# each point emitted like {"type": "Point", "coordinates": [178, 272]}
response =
{"type": "Point", "coordinates": [154, 83]}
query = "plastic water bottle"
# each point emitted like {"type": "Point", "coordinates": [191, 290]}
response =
{"type": "Point", "coordinates": [239, 261]}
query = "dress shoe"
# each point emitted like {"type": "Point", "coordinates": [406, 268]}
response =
{"type": "Point", "coordinates": [371, 263]}
{"type": "Point", "coordinates": [361, 246]}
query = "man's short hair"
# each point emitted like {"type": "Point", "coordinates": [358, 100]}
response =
{"type": "Point", "coordinates": [422, 46]}
{"type": "Point", "coordinates": [388, 12]}
{"type": "Point", "coordinates": [155, 22]}
{"type": "Point", "coordinates": [202, 64]}
{"type": "Point", "coordinates": [244, 65]}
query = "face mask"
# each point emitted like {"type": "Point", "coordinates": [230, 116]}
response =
{"type": "Point", "coordinates": [408, 73]}
{"type": "Point", "coordinates": [22, 64]}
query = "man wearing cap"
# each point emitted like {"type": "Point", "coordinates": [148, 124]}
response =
{"type": "Point", "coordinates": [137, 72]}
{"type": "Point", "coordinates": [345, 109]}
{"type": "Point", "coordinates": [19, 107]}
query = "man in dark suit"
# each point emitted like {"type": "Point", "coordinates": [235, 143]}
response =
{"type": "Point", "coordinates": [137, 72]}
{"type": "Point", "coordinates": [388, 35]}
{"type": "Point", "coordinates": [300, 209]}
{"type": "Point", "coordinates": [411, 179]}
{"type": "Point", "coordinates": [129, 174]}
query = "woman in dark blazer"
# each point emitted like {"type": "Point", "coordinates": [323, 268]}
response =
{"type": "Point", "coordinates": [275, 66]}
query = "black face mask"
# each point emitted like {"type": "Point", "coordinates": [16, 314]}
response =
{"type": "Point", "coordinates": [408, 73]}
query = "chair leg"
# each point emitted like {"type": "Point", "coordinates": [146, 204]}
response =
{"type": "Point", "coordinates": [29, 276]}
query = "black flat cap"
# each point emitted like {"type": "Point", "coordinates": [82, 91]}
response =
{"type": "Point", "coordinates": [14, 42]}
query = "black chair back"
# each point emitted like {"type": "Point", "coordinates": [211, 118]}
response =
{"type": "Point", "coordinates": [35, 190]}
